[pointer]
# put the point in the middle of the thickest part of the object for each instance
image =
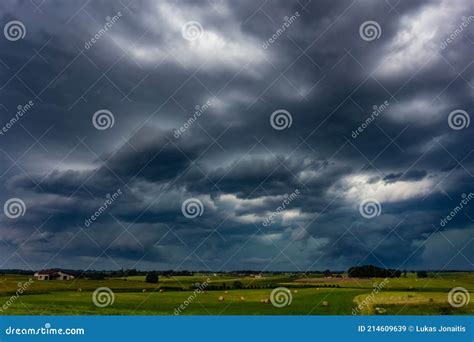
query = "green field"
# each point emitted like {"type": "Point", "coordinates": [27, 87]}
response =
{"type": "Point", "coordinates": [311, 295]}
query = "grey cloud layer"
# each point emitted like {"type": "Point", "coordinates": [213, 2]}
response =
{"type": "Point", "coordinates": [230, 157]}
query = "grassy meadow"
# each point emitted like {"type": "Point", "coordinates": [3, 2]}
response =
{"type": "Point", "coordinates": [311, 295]}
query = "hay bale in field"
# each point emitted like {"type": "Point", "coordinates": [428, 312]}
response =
{"type": "Point", "coordinates": [226, 292]}
{"type": "Point", "coordinates": [221, 299]}
{"type": "Point", "coordinates": [79, 289]}
{"type": "Point", "coordinates": [242, 298]}
{"type": "Point", "coordinates": [144, 290]}
{"type": "Point", "coordinates": [161, 290]}
{"type": "Point", "coordinates": [295, 291]}
{"type": "Point", "coordinates": [325, 303]}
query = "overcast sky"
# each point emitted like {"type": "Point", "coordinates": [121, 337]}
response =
{"type": "Point", "coordinates": [328, 134]}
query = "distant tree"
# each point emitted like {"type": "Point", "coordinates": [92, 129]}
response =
{"type": "Point", "coordinates": [422, 274]}
{"type": "Point", "coordinates": [238, 284]}
{"type": "Point", "coordinates": [327, 273]}
{"type": "Point", "coordinates": [371, 271]}
{"type": "Point", "coordinates": [152, 278]}
{"type": "Point", "coordinates": [404, 273]}
{"type": "Point", "coordinates": [131, 273]}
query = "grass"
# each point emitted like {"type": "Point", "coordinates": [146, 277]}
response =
{"type": "Point", "coordinates": [310, 296]}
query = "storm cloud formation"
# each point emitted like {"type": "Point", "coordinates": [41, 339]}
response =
{"type": "Point", "coordinates": [368, 149]}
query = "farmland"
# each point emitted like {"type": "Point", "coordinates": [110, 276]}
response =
{"type": "Point", "coordinates": [310, 295]}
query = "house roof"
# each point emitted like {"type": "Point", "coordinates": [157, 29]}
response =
{"type": "Point", "coordinates": [50, 272]}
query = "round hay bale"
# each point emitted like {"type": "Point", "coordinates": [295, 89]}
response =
{"type": "Point", "coordinates": [161, 290]}
{"type": "Point", "coordinates": [242, 298]}
{"type": "Point", "coordinates": [144, 290]}
{"type": "Point", "coordinates": [295, 291]}
{"type": "Point", "coordinates": [79, 289]}
{"type": "Point", "coordinates": [325, 303]}
{"type": "Point", "coordinates": [226, 292]}
{"type": "Point", "coordinates": [221, 298]}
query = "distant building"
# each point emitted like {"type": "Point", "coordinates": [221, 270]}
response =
{"type": "Point", "coordinates": [52, 275]}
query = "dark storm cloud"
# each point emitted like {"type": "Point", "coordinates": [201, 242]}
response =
{"type": "Point", "coordinates": [410, 175]}
{"type": "Point", "coordinates": [228, 156]}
